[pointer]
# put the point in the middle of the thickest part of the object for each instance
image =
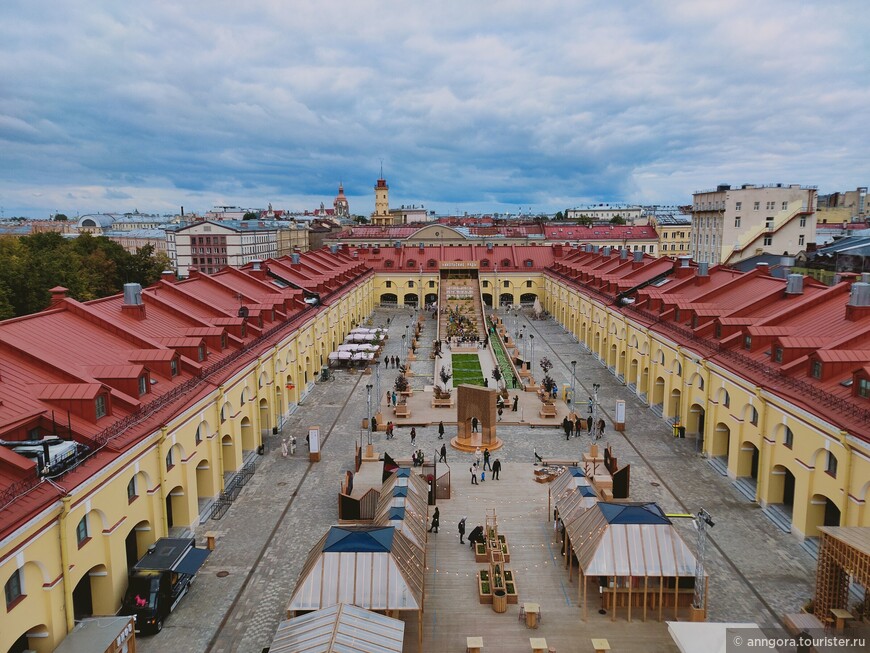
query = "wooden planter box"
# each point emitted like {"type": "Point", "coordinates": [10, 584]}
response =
{"type": "Point", "coordinates": [402, 411]}
{"type": "Point", "coordinates": [505, 549]}
{"type": "Point", "coordinates": [548, 410]}
{"type": "Point", "coordinates": [483, 597]}
{"type": "Point", "coordinates": [442, 403]}
{"type": "Point", "coordinates": [510, 582]}
{"type": "Point", "coordinates": [480, 554]}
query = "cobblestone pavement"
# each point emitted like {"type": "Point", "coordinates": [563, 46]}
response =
{"type": "Point", "coordinates": [756, 571]}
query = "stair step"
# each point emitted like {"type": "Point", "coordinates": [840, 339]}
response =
{"type": "Point", "coordinates": [746, 488]}
{"type": "Point", "coordinates": [811, 546]}
{"type": "Point", "coordinates": [778, 516]}
{"type": "Point", "coordinates": [720, 464]}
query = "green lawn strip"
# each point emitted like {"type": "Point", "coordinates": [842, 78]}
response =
{"type": "Point", "coordinates": [466, 369]}
{"type": "Point", "coordinates": [502, 358]}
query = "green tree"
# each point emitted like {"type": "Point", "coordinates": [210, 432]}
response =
{"type": "Point", "coordinates": [584, 220]}
{"type": "Point", "coordinates": [617, 219]}
{"type": "Point", "coordinates": [60, 217]}
{"type": "Point", "coordinates": [250, 215]}
{"type": "Point", "coordinates": [559, 216]}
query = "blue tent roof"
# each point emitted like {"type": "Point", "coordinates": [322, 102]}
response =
{"type": "Point", "coordinates": [633, 513]}
{"type": "Point", "coordinates": [378, 539]}
{"type": "Point", "coordinates": [400, 491]}
{"type": "Point", "coordinates": [403, 472]}
{"type": "Point", "coordinates": [586, 491]}
{"type": "Point", "coordinates": [576, 471]}
{"type": "Point", "coordinates": [396, 512]}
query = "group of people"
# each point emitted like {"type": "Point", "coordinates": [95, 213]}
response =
{"type": "Point", "coordinates": [391, 360]}
{"type": "Point", "coordinates": [392, 398]}
{"type": "Point", "coordinates": [417, 458]}
{"type": "Point", "coordinates": [574, 428]}
{"type": "Point", "coordinates": [476, 467]}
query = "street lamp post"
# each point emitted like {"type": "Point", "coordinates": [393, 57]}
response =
{"type": "Point", "coordinates": [595, 388]}
{"type": "Point", "coordinates": [573, 380]}
{"type": "Point", "coordinates": [532, 359]}
{"type": "Point", "coordinates": [378, 383]}
{"type": "Point", "coordinates": [369, 415]}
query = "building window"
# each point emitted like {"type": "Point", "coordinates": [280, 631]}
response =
{"type": "Point", "coordinates": [388, 284]}
{"type": "Point", "coordinates": [737, 221]}
{"type": "Point", "coordinates": [756, 206]}
{"type": "Point", "coordinates": [485, 283]}
{"type": "Point", "coordinates": [132, 495]}
{"type": "Point", "coordinates": [200, 353]}
{"type": "Point", "coordinates": [803, 221]}
{"type": "Point", "coordinates": [768, 240]}
{"type": "Point", "coordinates": [831, 464]}
{"type": "Point", "coordinates": [506, 284]}
{"type": "Point", "coordinates": [785, 206]}
{"type": "Point", "coordinates": [788, 439]}
{"type": "Point", "coordinates": [801, 239]}
{"type": "Point", "coordinates": [431, 284]}
{"type": "Point", "coordinates": [726, 399]}
{"type": "Point", "coordinates": [13, 589]}
{"type": "Point", "coordinates": [817, 370]}
{"type": "Point", "coordinates": [173, 366]}
{"type": "Point", "coordinates": [777, 354]}
{"type": "Point", "coordinates": [170, 459]}
{"type": "Point", "coordinates": [529, 283]}
{"type": "Point", "coordinates": [100, 405]}
{"type": "Point", "coordinates": [82, 535]}
{"type": "Point", "coordinates": [747, 342]}
{"type": "Point", "coordinates": [753, 416]}
{"type": "Point", "coordinates": [864, 387]}
{"type": "Point", "coordinates": [738, 206]}
{"type": "Point", "coordinates": [143, 385]}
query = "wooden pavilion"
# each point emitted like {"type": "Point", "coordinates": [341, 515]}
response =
{"type": "Point", "coordinates": [844, 560]}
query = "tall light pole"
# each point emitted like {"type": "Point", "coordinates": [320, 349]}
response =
{"type": "Point", "coordinates": [496, 295]}
{"type": "Point", "coordinates": [573, 380]}
{"type": "Point", "coordinates": [595, 388]}
{"type": "Point", "coordinates": [378, 382]}
{"type": "Point", "coordinates": [369, 415]}
{"type": "Point", "coordinates": [420, 289]}
{"type": "Point", "coordinates": [532, 360]}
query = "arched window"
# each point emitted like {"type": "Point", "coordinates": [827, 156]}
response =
{"type": "Point", "coordinates": [431, 263]}
{"type": "Point", "coordinates": [83, 533]}
{"type": "Point", "coordinates": [831, 464]}
{"type": "Point", "coordinates": [753, 415]}
{"type": "Point", "coordinates": [132, 493]}
{"type": "Point", "coordinates": [725, 398]}
{"type": "Point", "coordinates": [484, 263]}
{"type": "Point", "coordinates": [412, 263]}
{"type": "Point", "coordinates": [788, 438]}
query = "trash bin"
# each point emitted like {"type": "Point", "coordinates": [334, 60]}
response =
{"type": "Point", "coordinates": [499, 601]}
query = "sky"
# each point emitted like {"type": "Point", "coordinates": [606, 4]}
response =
{"type": "Point", "coordinates": [469, 106]}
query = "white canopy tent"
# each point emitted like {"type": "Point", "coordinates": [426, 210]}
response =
{"type": "Point", "coordinates": [703, 637]}
{"type": "Point", "coordinates": [339, 628]}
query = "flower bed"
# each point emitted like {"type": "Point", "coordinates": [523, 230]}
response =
{"type": "Point", "coordinates": [507, 370]}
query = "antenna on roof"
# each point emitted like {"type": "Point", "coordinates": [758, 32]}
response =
{"type": "Point", "coordinates": [382, 169]}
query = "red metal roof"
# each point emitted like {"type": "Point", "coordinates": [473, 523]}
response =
{"type": "Point", "coordinates": [588, 234]}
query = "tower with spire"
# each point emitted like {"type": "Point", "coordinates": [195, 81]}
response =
{"type": "Point", "coordinates": [382, 216]}
{"type": "Point", "coordinates": [342, 208]}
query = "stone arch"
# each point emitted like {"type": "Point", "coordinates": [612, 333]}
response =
{"type": "Point", "coordinates": [644, 348]}
{"type": "Point", "coordinates": [93, 592]}
{"type": "Point", "coordinates": [696, 381]}
{"type": "Point", "coordinates": [178, 508]}
{"type": "Point", "coordinates": [226, 411]}
{"type": "Point", "coordinates": [248, 441]}
{"type": "Point", "coordinates": [205, 481]}
{"type": "Point", "coordinates": [633, 373]}
{"type": "Point", "coordinates": [245, 396]}
{"type": "Point", "coordinates": [720, 441]}
{"type": "Point", "coordinates": [141, 484]}
{"type": "Point", "coordinates": [695, 420]}
{"type": "Point", "coordinates": [35, 637]}
{"type": "Point", "coordinates": [780, 490]}
{"type": "Point", "coordinates": [229, 455]}
{"type": "Point", "coordinates": [174, 456]}
{"type": "Point", "coordinates": [202, 432]}
{"type": "Point", "coordinates": [822, 511]}
{"type": "Point", "coordinates": [677, 368]}
{"type": "Point", "coordinates": [723, 398]}
{"type": "Point", "coordinates": [263, 381]}
{"type": "Point", "coordinates": [137, 541]}
{"type": "Point", "coordinates": [747, 461]}
{"type": "Point", "coordinates": [674, 404]}
{"type": "Point", "coordinates": [782, 433]}
{"type": "Point", "coordinates": [265, 418]}
{"type": "Point", "coordinates": [750, 414]}
{"type": "Point", "coordinates": [632, 342]}
{"type": "Point", "coordinates": [658, 392]}
{"type": "Point", "coordinates": [659, 358]}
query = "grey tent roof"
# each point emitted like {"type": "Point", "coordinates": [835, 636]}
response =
{"type": "Point", "coordinates": [403, 503]}
{"type": "Point", "coordinates": [339, 628]}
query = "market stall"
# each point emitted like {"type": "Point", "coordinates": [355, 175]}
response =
{"type": "Point", "coordinates": [339, 628]}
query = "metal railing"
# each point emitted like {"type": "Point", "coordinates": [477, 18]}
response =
{"type": "Point", "coordinates": [232, 490]}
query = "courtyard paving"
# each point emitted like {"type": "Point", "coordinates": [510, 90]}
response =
{"type": "Point", "coordinates": [756, 571]}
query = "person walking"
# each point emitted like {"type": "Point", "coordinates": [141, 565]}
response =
{"type": "Point", "coordinates": [516, 401]}
{"type": "Point", "coordinates": [565, 423]}
{"type": "Point", "coordinates": [514, 381]}
{"type": "Point", "coordinates": [477, 457]}
{"type": "Point", "coordinates": [486, 459]}
{"type": "Point", "coordinates": [441, 430]}
{"type": "Point", "coordinates": [284, 447]}
{"type": "Point", "coordinates": [389, 399]}
{"type": "Point", "coordinates": [473, 470]}
{"type": "Point", "coordinates": [496, 468]}
{"type": "Point", "coordinates": [443, 457]}
{"type": "Point", "coordinates": [386, 362]}
{"type": "Point", "coordinates": [413, 436]}
{"type": "Point", "coordinates": [436, 516]}
{"type": "Point", "coordinates": [474, 424]}
{"type": "Point", "coordinates": [589, 424]}
{"type": "Point", "coordinates": [601, 425]}
{"type": "Point", "coordinates": [578, 425]}
{"type": "Point", "coordinates": [462, 529]}
{"type": "Point", "coordinates": [570, 428]}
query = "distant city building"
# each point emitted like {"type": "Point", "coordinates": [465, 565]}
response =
{"type": "Point", "coordinates": [135, 239]}
{"type": "Point", "coordinates": [382, 216]}
{"type": "Point", "coordinates": [211, 246]}
{"type": "Point", "coordinates": [606, 212]}
{"type": "Point", "coordinates": [675, 233]}
{"type": "Point", "coordinates": [731, 224]}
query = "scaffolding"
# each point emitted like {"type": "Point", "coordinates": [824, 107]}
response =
{"type": "Point", "coordinates": [844, 559]}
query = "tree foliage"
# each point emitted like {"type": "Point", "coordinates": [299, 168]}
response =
{"type": "Point", "coordinates": [250, 215]}
{"type": "Point", "coordinates": [617, 219]}
{"type": "Point", "coordinates": [90, 267]}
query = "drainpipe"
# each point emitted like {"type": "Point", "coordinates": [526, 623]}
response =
{"type": "Point", "coordinates": [259, 435]}
{"type": "Point", "coordinates": [763, 451]}
{"type": "Point", "coordinates": [847, 478]}
{"type": "Point", "coordinates": [161, 460]}
{"type": "Point", "coordinates": [69, 609]}
{"type": "Point", "coordinates": [708, 379]}
{"type": "Point", "coordinates": [217, 447]}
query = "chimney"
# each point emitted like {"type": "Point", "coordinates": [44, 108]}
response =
{"type": "Point", "coordinates": [182, 211]}
{"type": "Point", "coordinates": [168, 276]}
{"type": "Point", "coordinates": [606, 250]}
{"type": "Point", "coordinates": [762, 267]}
{"type": "Point", "coordinates": [489, 247]}
{"type": "Point", "coordinates": [256, 264]}
{"type": "Point", "coordinates": [133, 305]}
{"type": "Point", "coordinates": [333, 249]}
{"type": "Point", "coordinates": [703, 274]}
{"type": "Point", "coordinates": [294, 258]}
{"type": "Point", "coordinates": [58, 294]}
{"type": "Point", "coordinates": [557, 250]}
{"type": "Point", "coordinates": [859, 301]}
{"type": "Point", "coordinates": [596, 249]}
{"type": "Point", "coordinates": [637, 261]}
{"type": "Point", "coordinates": [397, 244]}
{"type": "Point", "coordinates": [794, 284]}
{"type": "Point", "coordinates": [192, 272]}
{"type": "Point", "coordinates": [682, 267]}
{"type": "Point", "coordinates": [623, 254]}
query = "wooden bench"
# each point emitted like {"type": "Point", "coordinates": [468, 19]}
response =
{"type": "Point", "coordinates": [561, 462]}
{"type": "Point", "coordinates": [442, 403]}
{"type": "Point", "coordinates": [210, 537]}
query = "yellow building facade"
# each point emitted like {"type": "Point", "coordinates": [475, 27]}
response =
{"type": "Point", "coordinates": [91, 535]}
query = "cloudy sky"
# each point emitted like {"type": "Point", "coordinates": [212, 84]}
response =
{"type": "Point", "coordinates": [471, 105]}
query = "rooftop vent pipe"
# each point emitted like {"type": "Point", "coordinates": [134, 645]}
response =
{"type": "Point", "coordinates": [606, 250]}
{"type": "Point", "coordinates": [333, 249]}
{"type": "Point", "coordinates": [295, 259]}
{"type": "Point", "coordinates": [256, 264]}
{"type": "Point", "coordinates": [860, 294]}
{"type": "Point", "coordinates": [703, 269]}
{"type": "Point", "coordinates": [132, 294]}
{"type": "Point", "coordinates": [865, 277]}
{"type": "Point", "coordinates": [794, 284]}
{"type": "Point", "coordinates": [684, 261]}
{"type": "Point", "coordinates": [623, 254]}
{"type": "Point", "coordinates": [638, 256]}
